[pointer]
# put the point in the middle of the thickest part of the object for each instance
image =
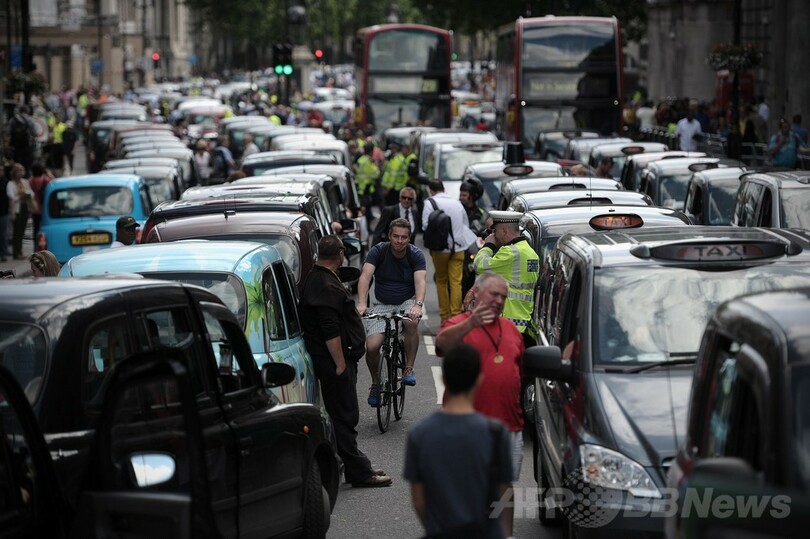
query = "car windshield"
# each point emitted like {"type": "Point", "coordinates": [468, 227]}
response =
{"type": "Point", "coordinates": [285, 245]}
{"type": "Point", "coordinates": [95, 201]}
{"type": "Point", "coordinates": [796, 208]}
{"type": "Point", "coordinates": [650, 314]}
{"type": "Point", "coordinates": [721, 203]}
{"type": "Point", "coordinates": [453, 164]}
{"type": "Point", "coordinates": [160, 188]}
{"type": "Point", "coordinates": [22, 352]}
{"type": "Point", "coordinates": [672, 190]}
{"type": "Point", "coordinates": [225, 286]}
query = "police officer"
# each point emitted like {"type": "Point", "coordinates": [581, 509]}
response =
{"type": "Point", "coordinates": [367, 174]}
{"type": "Point", "coordinates": [507, 253]}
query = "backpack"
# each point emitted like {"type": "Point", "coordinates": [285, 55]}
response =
{"type": "Point", "coordinates": [220, 164]}
{"type": "Point", "coordinates": [439, 228]}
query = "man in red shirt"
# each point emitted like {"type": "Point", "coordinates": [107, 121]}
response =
{"type": "Point", "coordinates": [501, 347]}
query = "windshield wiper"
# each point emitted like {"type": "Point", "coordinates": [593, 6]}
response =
{"type": "Point", "coordinates": [668, 363]}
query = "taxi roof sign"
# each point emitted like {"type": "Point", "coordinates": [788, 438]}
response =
{"type": "Point", "coordinates": [616, 221]}
{"type": "Point", "coordinates": [720, 251]}
{"type": "Point", "coordinates": [518, 170]}
{"type": "Point", "coordinates": [633, 150]}
{"type": "Point", "coordinates": [699, 167]}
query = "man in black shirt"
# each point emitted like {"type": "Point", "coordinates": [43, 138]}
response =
{"type": "Point", "coordinates": [335, 338]}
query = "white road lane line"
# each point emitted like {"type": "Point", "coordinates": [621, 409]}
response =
{"type": "Point", "coordinates": [430, 348]}
{"type": "Point", "coordinates": [437, 381]}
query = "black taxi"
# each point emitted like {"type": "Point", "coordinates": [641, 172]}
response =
{"type": "Point", "coordinates": [748, 434]}
{"type": "Point", "coordinates": [624, 313]}
{"type": "Point", "coordinates": [270, 467]}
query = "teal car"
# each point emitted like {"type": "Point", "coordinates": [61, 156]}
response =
{"type": "Point", "coordinates": [79, 212]}
{"type": "Point", "coordinates": [250, 278]}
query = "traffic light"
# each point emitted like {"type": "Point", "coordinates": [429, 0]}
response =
{"type": "Point", "coordinates": [282, 59]}
{"type": "Point", "coordinates": [286, 59]}
{"type": "Point", "coordinates": [155, 60]}
{"type": "Point", "coordinates": [318, 54]}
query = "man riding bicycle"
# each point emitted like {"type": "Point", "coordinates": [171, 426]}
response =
{"type": "Point", "coordinates": [399, 270]}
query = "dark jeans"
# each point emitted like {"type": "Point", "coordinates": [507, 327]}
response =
{"type": "Point", "coordinates": [20, 220]}
{"type": "Point", "coordinates": [340, 400]}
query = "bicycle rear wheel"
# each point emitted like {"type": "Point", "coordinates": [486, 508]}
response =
{"type": "Point", "coordinates": [384, 406]}
{"type": "Point", "coordinates": [397, 366]}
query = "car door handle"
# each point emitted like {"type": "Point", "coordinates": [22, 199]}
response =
{"type": "Point", "coordinates": [244, 445]}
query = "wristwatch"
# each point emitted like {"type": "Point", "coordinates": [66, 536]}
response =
{"type": "Point", "coordinates": [420, 303]}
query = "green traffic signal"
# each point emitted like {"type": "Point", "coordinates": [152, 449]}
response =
{"type": "Point", "coordinates": [279, 69]}
{"type": "Point", "coordinates": [287, 69]}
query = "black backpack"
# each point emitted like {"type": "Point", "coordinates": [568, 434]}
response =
{"type": "Point", "coordinates": [439, 228]}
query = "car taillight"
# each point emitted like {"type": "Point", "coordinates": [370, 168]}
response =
{"type": "Point", "coordinates": [42, 241]}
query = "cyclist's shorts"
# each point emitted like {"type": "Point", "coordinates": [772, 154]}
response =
{"type": "Point", "coordinates": [378, 326]}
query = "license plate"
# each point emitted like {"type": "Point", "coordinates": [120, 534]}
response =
{"type": "Point", "coordinates": [96, 238]}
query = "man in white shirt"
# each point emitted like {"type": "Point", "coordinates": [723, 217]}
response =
{"type": "Point", "coordinates": [249, 146]}
{"type": "Point", "coordinates": [688, 131]}
{"type": "Point", "coordinates": [449, 263]}
{"type": "Point", "coordinates": [646, 116]}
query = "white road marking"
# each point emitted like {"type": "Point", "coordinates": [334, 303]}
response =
{"type": "Point", "coordinates": [437, 381]}
{"type": "Point", "coordinates": [430, 348]}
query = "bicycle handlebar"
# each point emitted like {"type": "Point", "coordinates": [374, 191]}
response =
{"type": "Point", "coordinates": [387, 316]}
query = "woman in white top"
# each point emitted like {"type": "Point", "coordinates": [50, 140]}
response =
{"type": "Point", "coordinates": [20, 195]}
{"type": "Point", "coordinates": [203, 159]}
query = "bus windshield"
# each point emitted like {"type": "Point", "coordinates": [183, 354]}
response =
{"type": "Point", "coordinates": [407, 51]}
{"type": "Point", "coordinates": [568, 45]}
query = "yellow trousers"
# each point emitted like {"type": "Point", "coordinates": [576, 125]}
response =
{"type": "Point", "coordinates": [449, 270]}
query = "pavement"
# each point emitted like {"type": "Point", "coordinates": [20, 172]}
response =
{"type": "Point", "coordinates": [22, 268]}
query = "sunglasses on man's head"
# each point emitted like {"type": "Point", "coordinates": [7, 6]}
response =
{"type": "Point", "coordinates": [402, 197]}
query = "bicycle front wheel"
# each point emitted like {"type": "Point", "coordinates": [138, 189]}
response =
{"type": "Point", "coordinates": [397, 367]}
{"type": "Point", "coordinates": [386, 393]}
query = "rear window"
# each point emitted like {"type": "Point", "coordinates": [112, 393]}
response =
{"type": "Point", "coordinates": [94, 201]}
{"type": "Point", "coordinates": [225, 286]}
{"type": "Point", "coordinates": [22, 352]}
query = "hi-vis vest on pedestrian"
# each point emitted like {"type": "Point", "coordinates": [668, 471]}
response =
{"type": "Point", "coordinates": [396, 173]}
{"type": "Point", "coordinates": [366, 174]}
{"type": "Point", "coordinates": [520, 266]}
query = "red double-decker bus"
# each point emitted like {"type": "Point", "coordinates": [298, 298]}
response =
{"type": "Point", "coordinates": [558, 73]}
{"type": "Point", "coordinates": [402, 76]}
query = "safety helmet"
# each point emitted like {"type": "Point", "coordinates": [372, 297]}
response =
{"type": "Point", "coordinates": [473, 186]}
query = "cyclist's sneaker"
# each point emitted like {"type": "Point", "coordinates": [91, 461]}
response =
{"type": "Point", "coordinates": [408, 377]}
{"type": "Point", "coordinates": [373, 396]}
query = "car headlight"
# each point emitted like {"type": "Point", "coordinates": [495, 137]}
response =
{"type": "Point", "coordinates": [610, 469]}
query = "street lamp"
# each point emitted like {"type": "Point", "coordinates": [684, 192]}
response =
{"type": "Point", "coordinates": [393, 12]}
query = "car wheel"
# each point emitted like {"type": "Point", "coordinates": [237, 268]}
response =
{"type": "Point", "coordinates": [316, 506]}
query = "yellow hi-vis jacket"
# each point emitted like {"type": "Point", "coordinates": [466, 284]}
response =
{"type": "Point", "coordinates": [366, 174]}
{"type": "Point", "coordinates": [520, 266]}
{"type": "Point", "coordinates": [396, 173]}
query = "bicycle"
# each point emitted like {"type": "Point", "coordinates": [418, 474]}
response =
{"type": "Point", "coordinates": [389, 371]}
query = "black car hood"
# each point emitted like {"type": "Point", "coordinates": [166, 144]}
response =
{"type": "Point", "coordinates": [646, 412]}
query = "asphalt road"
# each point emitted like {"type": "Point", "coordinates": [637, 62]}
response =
{"type": "Point", "coordinates": [387, 512]}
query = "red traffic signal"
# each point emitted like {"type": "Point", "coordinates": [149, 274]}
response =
{"type": "Point", "coordinates": [155, 56]}
{"type": "Point", "coordinates": [319, 54]}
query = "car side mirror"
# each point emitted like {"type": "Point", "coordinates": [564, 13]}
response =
{"type": "Point", "coordinates": [348, 225]}
{"type": "Point", "coordinates": [348, 274]}
{"type": "Point", "coordinates": [152, 468]}
{"type": "Point", "coordinates": [277, 374]}
{"type": "Point", "coordinates": [351, 244]}
{"type": "Point", "coordinates": [547, 362]}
